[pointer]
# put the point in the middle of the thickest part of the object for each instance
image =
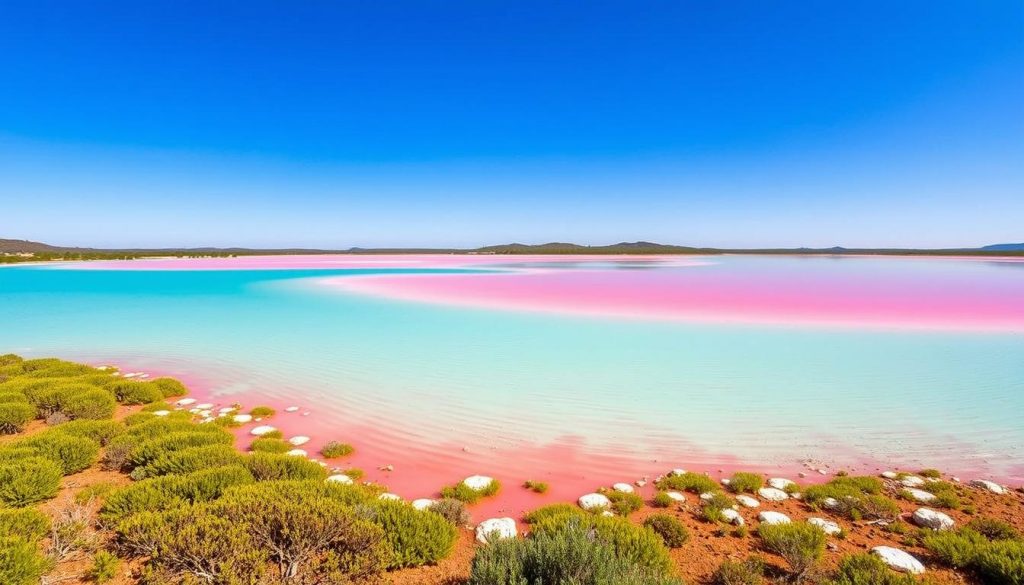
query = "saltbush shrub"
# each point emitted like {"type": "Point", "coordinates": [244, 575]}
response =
{"type": "Point", "coordinates": [14, 416]}
{"type": "Point", "coordinates": [637, 544]}
{"type": "Point", "coordinates": [101, 431]}
{"type": "Point", "coordinates": [743, 481]}
{"type": "Point", "coordinates": [28, 480]}
{"type": "Point", "coordinates": [553, 511]}
{"type": "Point", "coordinates": [262, 411]}
{"type": "Point", "coordinates": [8, 396]}
{"type": "Point", "coordinates": [568, 557]}
{"type": "Point", "coordinates": [169, 387]}
{"type": "Point", "coordinates": [72, 453]}
{"type": "Point", "coordinates": [135, 392]}
{"type": "Point", "coordinates": [993, 529]}
{"type": "Point", "coordinates": [747, 572]}
{"type": "Point", "coordinates": [452, 510]}
{"type": "Point", "coordinates": [334, 449]}
{"type": "Point", "coordinates": [167, 492]}
{"type": "Point", "coordinates": [150, 450]}
{"type": "Point", "coordinates": [271, 466]}
{"type": "Point", "coordinates": [662, 500]}
{"type": "Point", "coordinates": [91, 404]}
{"type": "Point", "coordinates": [799, 544]}
{"type": "Point", "coordinates": [539, 487]}
{"type": "Point", "coordinates": [996, 562]}
{"type": "Point", "coordinates": [193, 459]}
{"type": "Point", "coordinates": [464, 493]}
{"type": "Point", "coordinates": [855, 497]}
{"type": "Point", "coordinates": [416, 537]}
{"type": "Point", "coordinates": [265, 445]}
{"type": "Point", "coordinates": [26, 523]}
{"type": "Point", "coordinates": [95, 492]}
{"type": "Point", "coordinates": [20, 562]}
{"type": "Point", "coordinates": [670, 529]}
{"type": "Point", "coordinates": [864, 569]}
{"type": "Point", "coordinates": [104, 566]}
{"type": "Point", "coordinates": [10, 359]}
{"type": "Point", "coordinates": [691, 482]}
{"type": "Point", "coordinates": [623, 503]}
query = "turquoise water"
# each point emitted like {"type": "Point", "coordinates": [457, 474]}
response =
{"type": "Point", "coordinates": [448, 375]}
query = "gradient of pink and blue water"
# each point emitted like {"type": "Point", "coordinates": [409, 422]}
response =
{"type": "Point", "coordinates": [578, 371]}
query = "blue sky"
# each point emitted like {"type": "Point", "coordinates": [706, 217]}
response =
{"type": "Point", "coordinates": [336, 124]}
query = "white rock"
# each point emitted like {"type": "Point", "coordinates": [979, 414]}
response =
{"type": "Point", "coordinates": [780, 483]}
{"type": "Point", "coordinates": [161, 412]}
{"type": "Point", "coordinates": [912, 481]}
{"type": "Point", "coordinates": [677, 471]}
{"type": "Point", "coordinates": [708, 496]}
{"type": "Point", "coordinates": [769, 517]}
{"type": "Point", "coordinates": [299, 440]}
{"type": "Point", "coordinates": [641, 482]}
{"type": "Point", "coordinates": [747, 501]}
{"type": "Point", "coordinates": [262, 430]}
{"type": "Point", "coordinates": [340, 478]}
{"type": "Point", "coordinates": [773, 494]}
{"type": "Point", "coordinates": [623, 487]}
{"type": "Point", "coordinates": [242, 418]}
{"type": "Point", "coordinates": [495, 529]}
{"type": "Point", "coordinates": [991, 486]}
{"type": "Point", "coordinates": [830, 504]}
{"type": "Point", "coordinates": [594, 501]}
{"type": "Point", "coordinates": [297, 453]}
{"type": "Point", "coordinates": [732, 516]}
{"type": "Point", "coordinates": [920, 495]}
{"type": "Point", "coordinates": [898, 560]}
{"type": "Point", "coordinates": [186, 401]}
{"type": "Point", "coordinates": [292, 409]}
{"type": "Point", "coordinates": [390, 497]}
{"type": "Point", "coordinates": [678, 497]}
{"type": "Point", "coordinates": [422, 503]}
{"type": "Point", "coordinates": [478, 482]}
{"type": "Point", "coordinates": [827, 526]}
{"type": "Point", "coordinates": [226, 409]}
{"type": "Point", "coordinates": [726, 481]}
{"type": "Point", "coordinates": [929, 518]}
{"type": "Point", "coordinates": [204, 406]}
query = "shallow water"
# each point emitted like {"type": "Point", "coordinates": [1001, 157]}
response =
{"type": "Point", "coordinates": [534, 389]}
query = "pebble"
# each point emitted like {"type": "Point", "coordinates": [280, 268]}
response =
{"type": "Point", "coordinates": [827, 526]}
{"type": "Point", "coordinates": [747, 501]}
{"type": "Point", "coordinates": [773, 494]}
{"type": "Point", "coordinates": [898, 560]}
{"type": "Point", "coordinates": [262, 430]}
{"type": "Point", "coordinates": [495, 529]}
{"type": "Point", "coordinates": [623, 487]}
{"type": "Point", "coordinates": [592, 501]}
{"type": "Point", "coordinates": [299, 440]}
{"type": "Point", "coordinates": [769, 517]}
{"type": "Point", "coordinates": [991, 486]}
{"type": "Point", "coordinates": [933, 519]}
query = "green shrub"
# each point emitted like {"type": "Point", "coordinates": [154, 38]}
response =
{"type": "Point", "coordinates": [864, 569]}
{"type": "Point", "coordinates": [568, 557]}
{"type": "Point", "coordinates": [671, 530]}
{"type": "Point", "coordinates": [747, 572]}
{"type": "Point", "coordinates": [856, 497]}
{"type": "Point", "coordinates": [10, 359]}
{"type": "Point", "coordinates": [799, 544]}
{"type": "Point", "coordinates": [72, 453]}
{"type": "Point", "coordinates": [993, 529]}
{"type": "Point", "coordinates": [932, 473]}
{"type": "Point", "coordinates": [539, 487]}
{"type": "Point", "coordinates": [354, 473]}
{"type": "Point", "coordinates": [26, 523]}
{"type": "Point", "coordinates": [92, 404]}
{"type": "Point", "coordinates": [662, 500]}
{"type": "Point", "coordinates": [20, 562]}
{"type": "Point", "coordinates": [742, 481]}
{"type": "Point", "coordinates": [464, 493]}
{"type": "Point", "coordinates": [274, 434]}
{"type": "Point", "coordinates": [947, 500]}
{"type": "Point", "coordinates": [161, 405]}
{"type": "Point", "coordinates": [862, 483]}
{"type": "Point", "coordinates": [262, 411]}
{"type": "Point", "coordinates": [624, 503]}
{"type": "Point", "coordinates": [135, 392]}
{"type": "Point", "coordinates": [997, 562]}
{"type": "Point", "coordinates": [14, 416]}
{"type": "Point", "coordinates": [691, 482]}
{"type": "Point", "coordinates": [150, 450]}
{"type": "Point", "coordinates": [193, 459]}
{"type": "Point", "coordinates": [264, 445]}
{"type": "Point", "coordinates": [335, 449]}
{"type": "Point", "coordinates": [271, 466]}
{"type": "Point", "coordinates": [167, 492]}
{"type": "Point", "coordinates": [101, 431]}
{"type": "Point", "coordinates": [94, 492]}
{"type": "Point", "coordinates": [636, 544]}
{"type": "Point", "coordinates": [28, 480]}
{"type": "Point", "coordinates": [104, 566]}
{"type": "Point", "coordinates": [416, 537]}
{"type": "Point", "coordinates": [169, 387]}
{"type": "Point", "coordinates": [553, 511]}
{"type": "Point", "coordinates": [452, 510]}
{"type": "Point", "coordinates": [9, 396]}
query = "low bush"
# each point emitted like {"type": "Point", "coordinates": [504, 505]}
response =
{"type": "Point", "coordinates": [193, 459]}
{"type": "Point", "coordinates": [997, 562]}
{"type": "Point", "coordinates": [271, 466]}
{"type": "Point", "coordinates": [931, 473]}
{"type": "Point", "coordinates": [662, 500]}
{"type": "Point", "coordinates": [265, 445]}
{"type": "Point", "coordinates": [691, 482]}
{"type": "Point", "coordinates": [167, 492]}
{"type": "Point", "coordinates": [153, 449]}
{"type": "Point", "coordinates": [9, 396]}
{"type": "Point", "coordinates": [799, 544]}
{"type": "Point", "coordinates": [452, 510]}
{"type": "Point", "coordinates": [169, 387]}
{"type": "Point", "coordinates": [28, 480]}
{"type": "Point", "coordinates": [855, 498]}
{"type": "Point", "coordinates": [747, 572]}
{"type": "Point", "coordinates": [539, 487]}
{"type": "Point", "coordinates": [101, 431]}
{"type": "Point", "coordinates": [26, 523]}
{"type": "Point", "coordinates": [104, 566]}
{"type": "Point", "coordinates": [993, 529]}
{"type": "Point", "coordinates": [638, 545]}
{"type": "Point", "coordinates": [262, 411]}
{"type": "Point", "coordinates": [134, 392]}
{"type": "Point", "coordinates": [672, 531]}
{"type": "Point", "coordinates": [161, 405]}
{"type": "Point", "coordinates": [416, 537]}
{"type": "Point", "coordinates": [553, 511]}
{"type": "Point", "coordinates": [744, 482]}
{"type": "Point", "coordinates": [623, 503]}
{"type": "Point", "coordinates": [72, 453]}
{"type": "Point", "coordinates": [14, 416]}
{"type": "Point", "coordinates": [92, 404]}
{"type": "Point", "coordinates": [20, 562]}
{"type": "Point", "coordinates": [334, 449]}
{"type": "Point", "coordinates": [464, 493]}
{"type": "Point", "coordinates": [568, 557]}
{"type": "Point", "coordinates": [96, 492]}
{"type": "Point", "coordinates": [864, 569]}
{"type": "Point", "coordinates": [354, 473]}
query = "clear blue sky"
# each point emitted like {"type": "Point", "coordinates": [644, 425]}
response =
{"type": "Point", "coordinates": [337, 123]}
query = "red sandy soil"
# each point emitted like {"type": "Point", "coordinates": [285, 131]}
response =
{"type": "Point", "coordinates": [708, 546]}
